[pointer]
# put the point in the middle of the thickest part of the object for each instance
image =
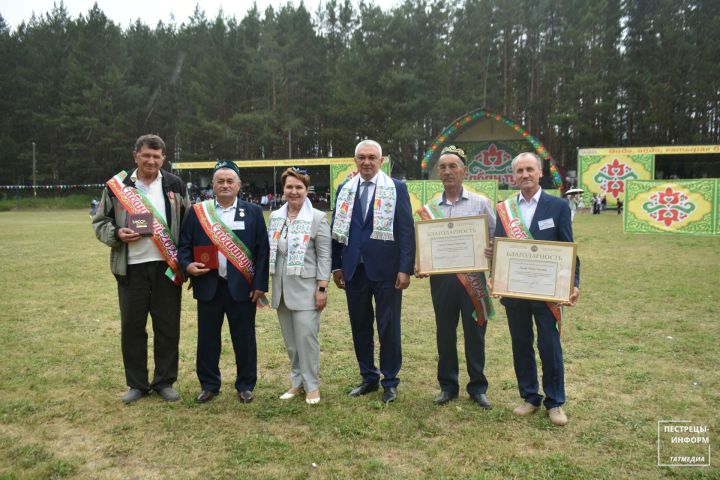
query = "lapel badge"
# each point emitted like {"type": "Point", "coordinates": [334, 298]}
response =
{"type": "Point", "coordinates": [242, 212]}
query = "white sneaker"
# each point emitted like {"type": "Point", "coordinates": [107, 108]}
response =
{"type": "Point", "coordinates": [525, 409]}
{"type": "Point", "coordinates": [557, 416]}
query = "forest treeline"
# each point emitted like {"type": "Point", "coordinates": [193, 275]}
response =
{"type": "Point", "coordinates": [301, 82]}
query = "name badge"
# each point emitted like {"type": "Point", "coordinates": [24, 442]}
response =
{"type": "Point", "coordinates": [237, 225]}
{"type": "Point", "coordinates": [545, 224]}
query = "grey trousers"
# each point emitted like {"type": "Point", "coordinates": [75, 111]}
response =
{"type": "Point", "coordinates": [300, 330]}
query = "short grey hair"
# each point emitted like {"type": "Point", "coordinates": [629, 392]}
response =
{"type": "Point", "coordinates": [372, 143]}
{"type": "Point", "coordinates": [538, 160]}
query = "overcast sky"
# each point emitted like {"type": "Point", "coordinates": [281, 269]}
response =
{"type": "Point", "coordinates": [124, 12]}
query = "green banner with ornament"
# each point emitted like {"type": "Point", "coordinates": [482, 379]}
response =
{"type": "Point", "coordinates": [608, 174]}
{"type": "Point", "coordinates": [490, 160]}
{"type": "Point", "coordinates": [677, 206]}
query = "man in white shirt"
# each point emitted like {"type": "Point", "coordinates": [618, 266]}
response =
{"type": "Point", "coordinates": [141, 263]}
{"type": "Point", "coordinates": [544, 217]}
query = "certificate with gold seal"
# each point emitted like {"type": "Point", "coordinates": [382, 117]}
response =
{"type": "Point", "coordinates": [452, 245]}
{"type": "Point", "coordinates": [533, 269]}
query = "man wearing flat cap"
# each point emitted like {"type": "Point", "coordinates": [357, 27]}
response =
{"type": "Point", "coordinates": [224, 250]}
{"type": "Point", "coordinates": [463, 295]}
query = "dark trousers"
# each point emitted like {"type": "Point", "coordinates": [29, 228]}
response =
{"type": "Point", "coordinates": [450, 302]}
{"type": "Point", "coordinates": [148, 290]}
{"type": "Point", "coordinates": [360, 292]}
{"type": "Point", "coordinates": [241, 320]}
{"type": "Point", "coordinates": [520, 315]}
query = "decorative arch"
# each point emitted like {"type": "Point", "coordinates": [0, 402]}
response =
{"type": "Point", "coordinates": [466, 122]}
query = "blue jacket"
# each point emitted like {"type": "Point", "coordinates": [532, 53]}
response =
{"type": "Point", "coordinates": [255, 238]}
{"type": "Point", "coordinates": [383, 259]}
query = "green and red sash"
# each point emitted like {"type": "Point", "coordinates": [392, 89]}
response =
{"type": "Point", "coordinates": [474, 283]}
{"type": "Point", "coordinates": [509, 214]}
{"type": "Point", "coordinates": [225, 239]}
{"type": "Point", "coordinates": [136, 202]}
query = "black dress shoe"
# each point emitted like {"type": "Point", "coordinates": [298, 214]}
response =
{"type": "Point", "coordinates": [363, 389]}
{"type": "Point", "coordinates": [444, 397]}
{"type": "Point", "coordinates": [246, 396]}
{"type": "Point", "coordinates": [205, 396]}
{"type": "Point", "coordinates": [482, 400]}
{"type": "Point", "coordinates": [389, 395]}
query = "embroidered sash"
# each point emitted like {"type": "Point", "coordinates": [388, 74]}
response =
{"type": "Point", "coordinates": [135, 201]}
{"type": "Point", "coordinates": [383, 209]}
{"type": "Point", "coordinates": [509, 214]}
{"type": "Point", "coordinates": [298, 237]}
{"type": "Point", "coordinates": [474, 283]}
{"type": "Point", "coordinates": [225, 239]}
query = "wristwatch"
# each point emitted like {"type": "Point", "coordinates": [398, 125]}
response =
{"type": "Point", "coordinates": [321, 289]}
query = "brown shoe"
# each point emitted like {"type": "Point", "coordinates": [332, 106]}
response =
{"type": "Point", "coordinates": [525, 409]}
{"type": "Point", "coordinates": [557, 416]}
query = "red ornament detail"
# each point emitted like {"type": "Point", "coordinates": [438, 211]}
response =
{"type": "Point", "coordinates": [668, 216]}
{"type": "Point", "coordinates": [670, 197]}
{"type": "Point", "coordinates": [492, 156]}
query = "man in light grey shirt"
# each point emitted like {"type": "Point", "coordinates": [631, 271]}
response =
{"type": "Point", "coordinates": [453, 295]}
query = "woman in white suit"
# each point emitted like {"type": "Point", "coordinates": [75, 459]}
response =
{"type": "Point", "coordinates": [300, 271]}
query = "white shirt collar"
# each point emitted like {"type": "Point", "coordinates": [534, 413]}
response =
{"type": "Point", "coordinates": [134, 177]}
{"type": "Point", "coordinates": [535, 198]}
{"type": "Point", "coordinates": [220, 207]}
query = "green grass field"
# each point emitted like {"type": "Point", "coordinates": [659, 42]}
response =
{"type": "Point", "coordinates": [641, 346]}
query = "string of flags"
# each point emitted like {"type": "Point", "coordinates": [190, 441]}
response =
{"type": "Point", "coordinates": [52, 187]}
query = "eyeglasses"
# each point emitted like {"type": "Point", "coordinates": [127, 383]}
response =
{"type": "Point", "coordinates": [300, 170]}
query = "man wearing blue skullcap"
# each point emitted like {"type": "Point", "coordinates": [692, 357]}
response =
{"type": "Point", "coordinates": [224, 250]}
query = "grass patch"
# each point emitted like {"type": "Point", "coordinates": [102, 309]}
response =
{"type": "Point", "coordinates": [640, 347]}
{"type": "Point", "coordinates": [48, 201]}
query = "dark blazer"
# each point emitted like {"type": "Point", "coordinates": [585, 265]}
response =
{"type": "Point", "coordinates": [383, 259]}
{"type": "Point", "coordinates": [255, 238]}
{"type": "Point", "coordinates": [557, 209]}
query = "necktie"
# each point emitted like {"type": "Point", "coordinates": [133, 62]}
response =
{"type": "Point", "coordinates": [363, 197]}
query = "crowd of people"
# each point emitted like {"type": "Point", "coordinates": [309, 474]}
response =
{"type": "Point", "coordinates": [224, 247]}
{"type": "Point", "coordinates": [255, 195]}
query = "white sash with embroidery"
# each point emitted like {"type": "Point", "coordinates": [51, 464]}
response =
{"type": "Point", "coordinates": [383, 209]}
{"type": "Point", "coordinates": [298, 236]}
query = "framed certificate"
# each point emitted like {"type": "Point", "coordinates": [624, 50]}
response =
{"type": "Point", "coordinates": [452, 245]}
{"type": "Point", "coordinates": [534, 269]}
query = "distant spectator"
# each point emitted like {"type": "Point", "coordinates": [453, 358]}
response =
{"type": "Point", "coordinates": [93, 206]}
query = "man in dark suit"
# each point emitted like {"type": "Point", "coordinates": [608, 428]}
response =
{"type": "Point", "coordinates": [544, 217]}
{"type": "Point", "coordinates": [373, 255]}
{"type": "Point", "coordinates": [235, 231]}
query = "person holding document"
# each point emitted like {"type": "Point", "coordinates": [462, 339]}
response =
{"type": "Point", "coordinates": [461, 295]}
{"type": "Point", "coordinates": [533, 214]}
{"type": "Point", "coordinates": [139, 216]}
{"type": "Point", "coordinates": [224, 248]}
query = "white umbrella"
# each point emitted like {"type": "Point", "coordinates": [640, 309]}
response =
{"type": "Point", "coordinates": [573, 191]}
